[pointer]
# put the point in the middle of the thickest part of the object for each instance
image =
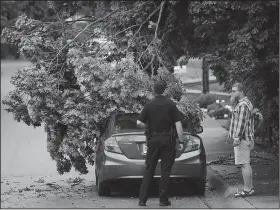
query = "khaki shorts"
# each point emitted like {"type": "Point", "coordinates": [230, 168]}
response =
{"type": "Point", "coordinates": [242, 152]}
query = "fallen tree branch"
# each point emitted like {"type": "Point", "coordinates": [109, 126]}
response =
{"type": "Point", "coordinates": [155, 38]}
{"type": "Point", "coordinates": [161, 61]}
{"type": "Point", "coordinates": [133, 10]}
{"type": "Point", "coordinates": [111, 37]}
{"type": "Point", "coordinates": [125, 30]}
{"type": "Point", "coordinates": [145, 21]}
{"type": "Point", "coordinates": [85, 29]}
{"type": "Point", "coordinates": [81, 19]}
{"type": "Point", "coordinates": [61, 75]}
{"type": "Point", "coordinates": [149, 63]}
{"type": "Point", "coordinates": [145, 50]}
{"type": "Point", "coordinates": [99, 20]}
{"type": "Point", "coordinates": [159, 17]}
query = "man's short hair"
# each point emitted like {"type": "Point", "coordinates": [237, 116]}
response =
{"type": "Point", "coordinates": [160, 86]}
{"type": "Point", "coordinates": [239, 86]}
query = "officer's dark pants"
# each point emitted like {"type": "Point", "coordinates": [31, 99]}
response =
{"type": "Point", "coordinates": [159, 147]}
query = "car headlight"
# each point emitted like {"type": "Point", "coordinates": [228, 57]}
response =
{"type": "Point", "coordinates": [191, 143]}
{"type": "Point", "coordinates": [111, 145]}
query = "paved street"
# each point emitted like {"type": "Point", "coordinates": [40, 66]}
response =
{"type": "Point", "coordinates": [23, 148]}
{"type": "Point", "coordinates": [29, 178]}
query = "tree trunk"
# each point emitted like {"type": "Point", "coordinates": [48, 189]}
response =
{"type": "Point", "coordinates": [269, 136]}
{"type": "Point", "coordinates": [269, 130]}
{"type": "Point", "coordinates": [205, 78]}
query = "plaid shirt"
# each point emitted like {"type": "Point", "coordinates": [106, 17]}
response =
{"type": "Point", "coordinates": [242, 121]}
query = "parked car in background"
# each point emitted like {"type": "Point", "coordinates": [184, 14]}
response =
{"type": "Point", "coordinates": [121, 151]}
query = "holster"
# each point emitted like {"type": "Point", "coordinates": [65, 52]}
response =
{"type": "Point", "coordinates": [173, 134]}
{"type": "Point", "coordinates": [148, 135]}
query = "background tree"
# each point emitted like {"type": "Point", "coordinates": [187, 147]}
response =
{"type": "Point", "coordinates": [240, 42]}
{"type": "Point", "coordinates": [11, 10]}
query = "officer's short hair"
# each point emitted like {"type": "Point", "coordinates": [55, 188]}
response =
{"type": "Point", "coordinates": [160, 86]}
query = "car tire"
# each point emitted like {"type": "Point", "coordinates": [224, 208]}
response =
{"type": "Point", "coordinates": [199, 187]}
{"type": "Point", "coordinates": [103, 189]}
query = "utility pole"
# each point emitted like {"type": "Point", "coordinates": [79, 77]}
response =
{"type": "Point", "coordinates": [205, 78]}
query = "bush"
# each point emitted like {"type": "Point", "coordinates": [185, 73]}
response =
{"type": "Point", "coordinates": [213, 106]}
{"type": "Point", "coordinates": [205, 99]}
{"type": "Point", "coordinates": [220, 113]}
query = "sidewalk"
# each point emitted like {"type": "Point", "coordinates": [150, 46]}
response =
{"type": "Point", "coordinates": [212, 92]}
{"type": "Point", "coordinates": [220, 159]}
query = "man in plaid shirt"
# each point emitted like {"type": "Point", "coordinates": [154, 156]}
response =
{"type": "Point", "coordinates": [242, 132]}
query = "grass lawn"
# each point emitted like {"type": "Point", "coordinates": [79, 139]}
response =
{"type": "Point", "coordinates": [212, 86]}
{"type": "Point", "coordinates": [191, 71]}
{"type": "Point", "coordinates": [193, 96]}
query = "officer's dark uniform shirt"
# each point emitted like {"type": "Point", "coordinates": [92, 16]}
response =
{"type": "Point", "coordinates": [160, 114]}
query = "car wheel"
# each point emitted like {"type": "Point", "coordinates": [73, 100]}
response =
{"type": "Point", "coordinates": [103, 189]}
{"type": "Point", "coordinates": [199, 187]}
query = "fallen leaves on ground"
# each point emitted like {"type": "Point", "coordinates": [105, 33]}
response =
{"type": "Point", "coordinates": [223, 160]}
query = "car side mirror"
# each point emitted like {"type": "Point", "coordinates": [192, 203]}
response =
{"type": "Point", "coordinates": [199, 129]}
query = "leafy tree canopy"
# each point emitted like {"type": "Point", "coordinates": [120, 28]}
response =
{"type": "Point", "coordinates": [76, 82]}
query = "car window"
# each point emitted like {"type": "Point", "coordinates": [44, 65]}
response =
{"type": "Point", "coordinates": [126, 122]}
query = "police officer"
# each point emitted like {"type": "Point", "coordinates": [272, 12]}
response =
{"type": "Point", "coordinates": [160, 115]}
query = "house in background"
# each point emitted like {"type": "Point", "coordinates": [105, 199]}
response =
{"type": "Point", "coordinates": [192, 72]}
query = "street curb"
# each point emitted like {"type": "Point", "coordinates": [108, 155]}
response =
{"type": "Point", "coordinates": [216, 183]}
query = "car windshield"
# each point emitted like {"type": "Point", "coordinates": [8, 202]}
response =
{"type": "Point", "coordinates": [126, 122]}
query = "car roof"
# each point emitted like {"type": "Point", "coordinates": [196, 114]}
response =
{"type": "Point", "coordinates": [120, 115]}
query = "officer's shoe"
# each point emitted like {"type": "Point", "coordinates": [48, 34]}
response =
{"type": "Point", "coordinates": [165, 203]}
{"type": "Point", "coordinates": [142, 203]}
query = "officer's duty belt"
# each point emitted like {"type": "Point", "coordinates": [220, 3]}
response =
{"type": "Point", "coordinates": [165, 133]}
